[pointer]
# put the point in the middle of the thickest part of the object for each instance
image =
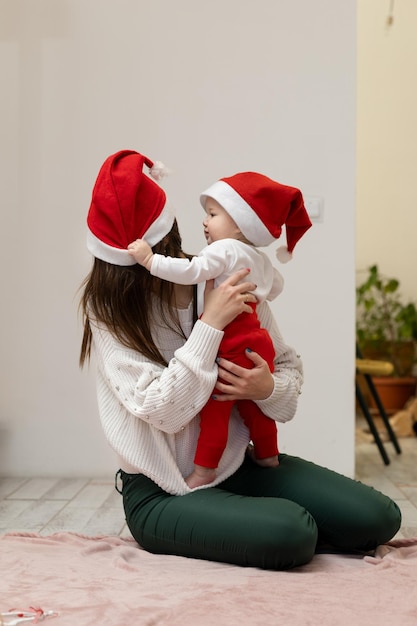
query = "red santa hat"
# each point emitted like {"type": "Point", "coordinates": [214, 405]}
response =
{"type": "Point", "coordinates": [260, 207]}
{"type": "Point", "coordinates": [126, 205]}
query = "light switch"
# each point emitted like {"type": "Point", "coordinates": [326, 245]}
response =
{"type": "Point", "coordinates": [314, 207]}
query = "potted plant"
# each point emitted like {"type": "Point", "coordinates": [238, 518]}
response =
{"type": "Point", "coordinates": [386, 329]}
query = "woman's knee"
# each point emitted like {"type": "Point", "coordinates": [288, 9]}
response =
{"type": "Point", "coordinates": [367, 519]}
{"type": "Point", "coordinates": [380, 518]}
{"type": "Point", "coordinates": [287, 541]}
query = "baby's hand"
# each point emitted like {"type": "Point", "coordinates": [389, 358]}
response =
{"type": "Point", "coordinates": [141, 252]}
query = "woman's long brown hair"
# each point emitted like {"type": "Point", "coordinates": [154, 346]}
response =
{"type": "Point", "coordinates": [119, 297]}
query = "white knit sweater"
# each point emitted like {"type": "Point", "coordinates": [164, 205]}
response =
{"type": "Point", "coordinates": [148, 412]}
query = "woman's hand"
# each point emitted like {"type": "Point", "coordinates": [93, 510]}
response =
{"type": "Point", "coordinates": [223, 304]}
{"type": "Point", "coordinates": [239, 383]}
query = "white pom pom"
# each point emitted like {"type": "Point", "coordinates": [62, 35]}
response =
{"type": "Point", "coordinates": [283, 254]}
{"type": "Point", "coordinates": [158, 170]}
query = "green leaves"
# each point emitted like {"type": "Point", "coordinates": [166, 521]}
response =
{"type": "Point", "coordinates": [381, 315]}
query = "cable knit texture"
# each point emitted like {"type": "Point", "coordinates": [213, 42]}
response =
{"type": "Point", "coordinates": [149, 413]}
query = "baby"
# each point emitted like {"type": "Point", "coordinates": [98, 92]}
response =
{"type": "Point", "coordinates": [242, 212]}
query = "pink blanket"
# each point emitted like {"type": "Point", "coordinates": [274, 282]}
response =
{"type": "Point", "coordinates": [108, 581]}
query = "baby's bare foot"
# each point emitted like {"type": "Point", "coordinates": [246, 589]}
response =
{"type": "Point", "coordinates": [270, 461]}
{"type": "Point", "coordinates": [200, 476]}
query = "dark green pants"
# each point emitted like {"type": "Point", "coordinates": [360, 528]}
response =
{"type": "Point", "coordinates": [272, 518]}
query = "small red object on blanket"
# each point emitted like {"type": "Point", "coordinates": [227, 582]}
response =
{"type": "Point", "coordinates": [31, 615]}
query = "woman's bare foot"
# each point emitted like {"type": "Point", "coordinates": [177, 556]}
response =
{"type": "Point", "coordinates": [200, 476]}
{"type": "Point", "coordinates": [270, 461]}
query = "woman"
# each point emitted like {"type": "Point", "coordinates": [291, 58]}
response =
{"type": "Point", "coordinates": [156, 368]}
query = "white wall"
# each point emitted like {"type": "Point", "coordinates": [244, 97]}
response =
{"type": "Point", "coordinates": [387, 141]}
{"type": "Point", "coordinates": [211, 89]}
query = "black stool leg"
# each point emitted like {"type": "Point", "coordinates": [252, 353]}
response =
{"type": "Point", "coordinates": [382, 413]}
{"type": "Point", "coordinates": [371, 425]}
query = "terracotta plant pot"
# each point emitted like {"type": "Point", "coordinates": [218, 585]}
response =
{"type": "Point", "coordinates": [394, 392]}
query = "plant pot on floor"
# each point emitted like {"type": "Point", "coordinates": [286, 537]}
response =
{"type": "Point", "coordinates": [394, 392]}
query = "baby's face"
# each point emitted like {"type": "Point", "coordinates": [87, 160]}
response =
{"type": "Point", "coordinates": [218, 224]}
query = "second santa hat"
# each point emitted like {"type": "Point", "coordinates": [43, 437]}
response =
{"type": "Point", "coordinates": [126, 205]}
{"type": "Point", "coordinates": [261, 207]}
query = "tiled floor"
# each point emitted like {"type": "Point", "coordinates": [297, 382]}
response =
{"type": "Point", "coordinates": [398, 479]}
{"type": "Point", "coordinates": [93, 507]}
{"type": "Point", "coordinates": [48, 505]}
